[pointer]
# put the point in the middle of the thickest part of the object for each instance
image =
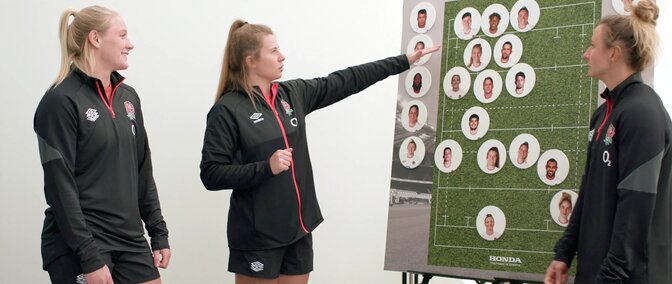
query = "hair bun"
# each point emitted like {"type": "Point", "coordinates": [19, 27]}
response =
{"type": "Point", "coordinates": [646, 11]}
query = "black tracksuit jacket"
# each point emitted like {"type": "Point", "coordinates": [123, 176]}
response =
{"type": "Point", "coordinates": [621, 224]}
{"type": "Point", "coordinates": [268, 211]}
{"type": "Point", "coordinates": [97, 172]}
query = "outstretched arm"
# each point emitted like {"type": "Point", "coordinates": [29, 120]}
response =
{"type": "Point", "coordinates": [416, 55]}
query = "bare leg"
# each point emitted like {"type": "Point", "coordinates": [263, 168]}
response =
{"type": "Point", "coordinates": [294, 279]}
{"type": "Point", "coordinates": [243, 279]}
{"type": "Point", "coordinates": [155, 281]}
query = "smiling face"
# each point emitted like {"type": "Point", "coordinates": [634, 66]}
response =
{"type": "Point", "coordinates": [493, 23]}
{"type": "Point", "coordinates": [551, 168]}
{"type": "Point", "coordinates": [489, 225]}
{"type": "Point", "coordinates": [268, 65]}
{"type": "Point", "coordinates": [410, 149]}
{"type": "Point", "coordinates": [523, 18]}
{"type": "Point", "coordinates": [492, 159]}
{"type": "Point", "coordinates": [473, 124]}
{"type": "Point", "coordinates": [114, 46]}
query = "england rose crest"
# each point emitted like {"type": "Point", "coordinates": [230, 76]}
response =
{"type": "Point", "coordinates": [130, 110]}
{"type": "Point", "coordinates": [287, 107]}
{"type": "Point", "coordinates": [610, 135]}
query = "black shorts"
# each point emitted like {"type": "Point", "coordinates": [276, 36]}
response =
{"type": "Point", "coordinates": [294, 259]}
{"type": "Point", "coordinates": [126, 267]}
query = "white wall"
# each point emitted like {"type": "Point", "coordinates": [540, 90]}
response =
{"type": "Point", "coordinates": [175, 68]}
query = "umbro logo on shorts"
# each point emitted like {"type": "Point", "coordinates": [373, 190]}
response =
{"type": "Point", "coordinates": [80, 279]}
{"type": "Point", "coordinates": [256, 117]}
{"type": "Point", "coordinates": [257, 266]}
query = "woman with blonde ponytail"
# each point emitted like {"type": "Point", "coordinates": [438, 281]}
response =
{"type": "Point", "coordinates": [620, 225]}
{"type": "Point", "coordinates": [255, 144]}
{"type": "Point", "coordinates": [98, 179]}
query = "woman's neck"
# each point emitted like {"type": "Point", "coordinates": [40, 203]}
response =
{"type": "Point", "coordinates": [264, 85]}
{"type": "Point", "coordinates": [619, 73]}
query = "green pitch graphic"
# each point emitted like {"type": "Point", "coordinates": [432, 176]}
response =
{"type": "Point", "coordinates": [556, 112]}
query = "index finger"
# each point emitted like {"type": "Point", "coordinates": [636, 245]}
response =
{"type": "Point", "coordinates": [431, 49]}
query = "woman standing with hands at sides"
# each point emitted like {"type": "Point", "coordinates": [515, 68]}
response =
{"type": "Point", "coordinates": [620, 226]}
{"type": "Point", "coordinates": [96, 160]}
{"type": "Point", "coordinates": [255, 143]}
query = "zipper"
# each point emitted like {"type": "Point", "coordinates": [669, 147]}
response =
{"type": "Point", "coordinates": [271, 103]}
{"type": "Point", "coordinates": [606, 117]}
{"type": "Point", "coordinates": [102, 96]}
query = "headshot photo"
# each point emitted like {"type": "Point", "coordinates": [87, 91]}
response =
{"type": "Point", "coordinates": [467, 23]}
{"type": "Point", "coordinates": [495, 20]}
{"type": "Point", "coordinates": [475, 123]}
{"type": "Point", "coordinates": [524, 151]}
{"type": "Point", "coordinates": [508, 50]}
{"type": "Point", "coordinates": [418, 81]}
{"type": "Point", "coordinates": [491, 156]}
{"type": "Point", "coordinates": [553, 167]}
{"type": "Point", "coordinates": [413, 115]}
{"type": "Point", "coordinates": [456, 83]}
{"type": "Point", "coordinates": [491, 223]}
{"type": "Point", "coordinates": [520, 80]}
{"type": "Point", "coordinates": [411, 152]}
{"type": "Point", "coordinates": [448, 156]}
{"type": "Point", "coordinates": [525, 15]}
{"type": "Point", "coordinates": [623, 7]}
{"type": "Point", "coordinates": [477, 55]}
{"type": "Point", "coordinates": [422, 17]}
{"type": "Point", "coordinates": [562, 205]}
{"type": "Point", "coordinates": [487, 86]}
{"type": "Point", "coordinates": [419, 42]}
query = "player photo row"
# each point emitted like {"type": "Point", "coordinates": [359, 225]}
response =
{"type": "Point", "coordinates": [524, 152]}
{"type": "Point", "coordinates": [491, 220]}
{"type": "Point", "coordinates": [520, 81]}
{"type": "Point", "coordinates": [507, 52]}
{"type": "Point", "coordinates": [495, 19]}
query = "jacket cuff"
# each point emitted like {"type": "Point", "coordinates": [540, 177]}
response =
{"type": "Point", "coordinates": [563, 258]}
{"type": "Point", "coordinates": [404, 61]}
{"type": "Point", "coordinates": [159, 243]}
{"type": "Point", "coordinates": [91, 265]}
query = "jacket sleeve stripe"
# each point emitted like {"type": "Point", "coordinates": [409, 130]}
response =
{"type": "Point", "coordinates": [47, 153]}
{"type": "Point", "coordinates": [645, 177]}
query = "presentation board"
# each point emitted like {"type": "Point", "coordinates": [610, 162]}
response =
{"type": "Point", "coordinates": [490, 136]}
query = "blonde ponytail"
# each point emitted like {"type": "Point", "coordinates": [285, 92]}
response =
{"type": "Point", "coordinates": [75, 48]}
{"type": "Point", "coordinates": [244, 40]}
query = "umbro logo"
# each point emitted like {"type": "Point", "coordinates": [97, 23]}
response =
{"type": "Point", "coordinates": [91, 114]}
{"type": "Point", "coordinates": [257, 266]}
{"type": "Point", "coordinates": [256, 117]}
